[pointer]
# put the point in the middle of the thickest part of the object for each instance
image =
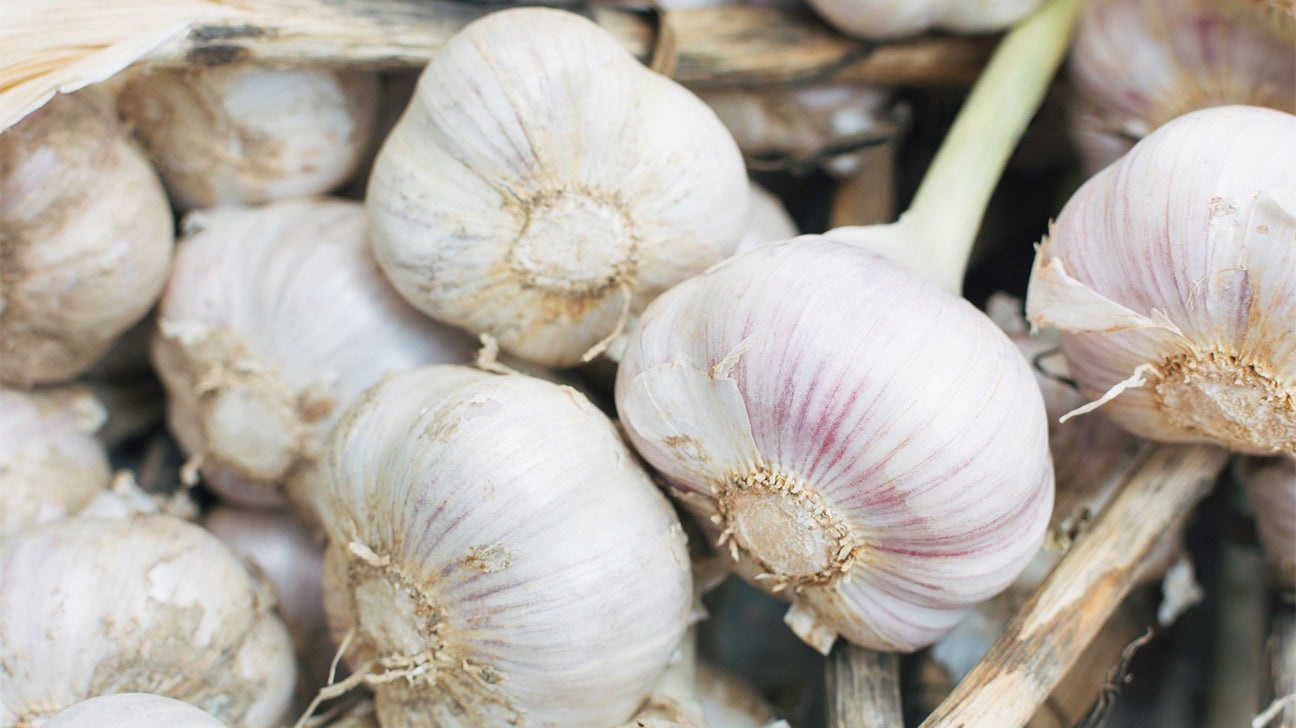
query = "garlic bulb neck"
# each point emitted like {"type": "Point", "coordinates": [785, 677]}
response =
{"type": "Point", "coordinates": [547, 256]}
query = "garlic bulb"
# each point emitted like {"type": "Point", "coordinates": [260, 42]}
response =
{"type": "Point", "coordinates": [499, 553]}
{"type": "Point", "coordinates": [767, 221]}
{"type": "Point", "coordinates": [87, 239]}
{"type": "Point", "coordinates": [50, 463]}
{"type": "Point", "coordinates": [1169, 276]}
{"type": "Point", "coordinates": [866, 445]}
{"type": "Point", "coordinates": [274, 320]}
{"type": "Point", "coordinates": [239, 133]}
{"type": "Point", "coordinates": [138, 603]}
{"type": "Point", "coordinates": [883, 19]}
{"type": "Point", "coordinates": [543, 186]}
{"type": "Point", "coordinates": [1136, 64]}
{"type": "Point", "coordinates": [1271, 486]}
{"type": "Point", "coordinates": [133, 710]}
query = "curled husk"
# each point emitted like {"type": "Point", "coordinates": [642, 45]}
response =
{"type": "Point", "coordinates": [50, 462]}
{"type": "Point", "coordinates": [499, 554]}
{"type": "Point", "coordinates": [864, 444]}
{"type": "Point", "coordinates": [1271, 486]}
{"type": "Point", "coordinates": [136, 603]}
{"type": "Point", "coordinates": [1171, 279]}
{"type": "Point", "coordinates": [87, 239]}
{"type": "Point", "coordinates": [883, 19]}
{"type": "Point", "coordinates": [133, 710]}
{"type": "Point", "coordinates": [543, 186]}
{"type": "Point", "coordinates": [274, 320]}
{"type": "Point", "coordinates": [240, 133]}
{"type": "Point", "coordinates": [1136, 64]}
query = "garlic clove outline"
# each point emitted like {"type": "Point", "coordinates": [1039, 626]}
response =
{"type": "Point", "coordinates": [133, 710]}
{"type": "Point", "coordinates": [887, 19]}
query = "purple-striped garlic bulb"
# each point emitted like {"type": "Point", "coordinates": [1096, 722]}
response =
{"type": "Point", "coordinates": [136, 603]}
{"type": "Point", "coordinates": [1171, 278]}
{"type": "Point", "coordinates": [543, 186]}
{"type": "Point", "coordinates": [1136, 64]}
{"type": "Point", "coordinates": [274, 320]}
{"type": "Point", "coordinates": [884, 19]}
{"type": "Point", "coordinates": [497, 555]}
{"type": "Point", "coordinates": [133, 710]}
{"type": "Point", "coordinates": [240, 133]}
{"type": "Point", "coordinates": [85, 239]}
{"type": "Point", "coordinates": [864, 444]}
{"type": "Point", "coordinates": [50, 462]}
{"type": "Point", "coordinates": [1270, 484]}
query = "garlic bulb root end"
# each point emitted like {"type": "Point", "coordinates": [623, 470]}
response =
{"type": "Point", "coordinates": [1228, 400]}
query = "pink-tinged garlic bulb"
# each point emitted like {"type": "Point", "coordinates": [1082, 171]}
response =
{"type": "Point", "coordinates": [87, 238]}
{"type": "Point", "coordinates": [1171, 278]}
{"type": "Point", "coordinates": [543, 186]}
{"type": "Point", "coordinates": [50, 462]}
{"type": "Point", "coordinates": [883, 19]}
{"type": "Point", "coordinates": [133, 710]}
{"type": "Point", "coordinates": [274, 320]}
{"type": "Point", "coordinates": [767, 221]}
{"type": "Point", "coordinates": [1271, 486]}
{"type": "Point", "coordinates": [1136, 64]}
{"type": "Point", "coordinates": [498, 554]}
{"type": "Point", "coordinates": [240, 133]}
{"type": "Point", "coordinates": [864, 444]}
{"type": "Point", "coordinates": [137, 603]}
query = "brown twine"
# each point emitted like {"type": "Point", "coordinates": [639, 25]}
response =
{"type": "Point", "coordinates": [1119, 677]}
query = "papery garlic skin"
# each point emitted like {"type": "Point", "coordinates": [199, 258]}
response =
{"type": "Point", "coordinates": [543, 186]}
{"type": "Point", "coordinates": [1136, 64]}
{"type": "Point", "coordinates": [767, 221]}
{"type": "Point", "coordinates": [87, 239]}
{"type": "Point", "coordinates": [493, 535]}
{"type": "Point", "coordinates": [866, 445]}
{"type": "Point", "coordinates": [133, 710]}
{"type": "Point", "coordinates": [274, 320]}
{"type": "Point", "coordinates": [240, 133]}
{"type": "Point", "coordinates": [1171, 277]}
{"type": "Point", "coordinates": [143, 603]}
{"type": "Point", "coordinates": [885, 19]}
{"type": "Point", "coordinates": [1271, 487]}
{"type": "Point", "coordinates": [50, 462]}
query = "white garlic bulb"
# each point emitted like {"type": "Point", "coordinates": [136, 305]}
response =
{"type": "Point", "coordinates": [543, 186]}
{"type": "Point", "coordinates": [240, 133]}
{"type": "Point", "coordinates": [87, 239]}
{"type": "Point", "coordinates": [499, 553]}
{"type": "Point", "coordinates": [1136, 64]}
{"type": "Point", "coordinates": [1169, 276]}
{"type": "Point", "coordinates": [50, 462]}
{"type": "Point", "coordinates": [883, 19]}
{"type": "Point", "coordinates": [865, 444]}
{"type": "Point", "coordinates": [140, 603]}
{"type": "Point", "coordinates": [767, 221]}
{"type": "Point", "coordinates": [133, 710]}
{"type": "Point", "coordinates": [1271, 486]}
{"type": "Point", "coordinates": [274, 320]}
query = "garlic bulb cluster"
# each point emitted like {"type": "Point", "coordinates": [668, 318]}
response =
{"type": "Point", "coordinates": [240, 133]}
{"type": "Point", "coordinates": [1136, 64]}
{"type": "Point", "coordinates": [133, 710]}
{"type": "Point", "coordinates": [274, 320]}
{"type": "Point", "coordinates": [50, 462]}
{"type": "Point", "coordinates": [87, 239]}
{"type": "Point", "coordinates": [1170, 277]}
{"type": "Point", "coordinates": [140, 603]}
{"type": "Point", "coordinates": [864, 444]}
{"type": "Point", "coordinates": [884, 19]}
{"type": "Point", "coordinates": [1271, 486]}
{"type": "Point", "coordinates": [498, 555]}
{"type": "Point", "coordinates": [543, 186]}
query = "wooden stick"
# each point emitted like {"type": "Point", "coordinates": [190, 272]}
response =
{"type": "Point", "coordinates": [863, 688]}
{"type": "Point", "coordinates": [1054, 627]}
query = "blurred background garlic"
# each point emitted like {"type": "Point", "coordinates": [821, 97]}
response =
{"type": "Point", "coordinates": [1271, 487]}
{"type": "Point", "coordinates": [728, 701]}
{"type": "Point", "coordinates": [1136, 64]}
{"type": "Point", "coordinates": [87, 238]}
{"type": "Point", "coordinates": [884, 19]}
{"type": "Point", "coordinates": [543, 186]}
{"type": "Point", "coordinates": [1170, 277]}
{"type": "Point", "coordinates": [274, 320]}
{"type": "Point", "coordinates": [133, 710]}
{"type": "Point", "coordinates": [767, 220]}
{"type": "Point", "coordinates": [240, 133]}
{"type": "Point", "coordinates": [865, 445]}
{"type": "Point", "coordinates": [497, 555]}
{"type": "Point", "coordinates": [136, 603]}
{"type": "Point", "coordinates": [50, 462]}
